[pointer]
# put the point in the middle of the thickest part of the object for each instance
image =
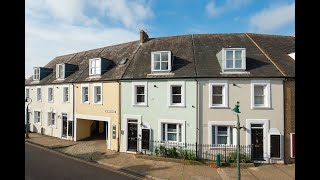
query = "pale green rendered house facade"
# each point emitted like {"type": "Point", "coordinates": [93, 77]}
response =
{"type": "Point", "coordinates": [157, 111]}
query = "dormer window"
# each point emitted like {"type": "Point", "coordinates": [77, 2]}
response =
{"type": "Point", "coordinates": [95, 66]}
{"type": "Point", "coordinates": [60, 71]}
{"type": "Point", "coordinates": [234, 58]}
{"type": "Point", "coordinates": [36, 74]}
{"type": "Point", "coordinates": [161, 61]}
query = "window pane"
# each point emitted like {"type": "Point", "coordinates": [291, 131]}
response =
{"type": "Point", "coordinates": [229, 55]}
{"type": "Point", "coordinates": [176, 98]}
{"type": "Point", "coordinates": [180, 134]}
{"type": "Point", "coordinates": [231, 135]}
{"type": "Point", "coordinates": [222, 139]}
{"type": "Point", "coordinates": [172, 128]}
{"type": "Point", "coordinates": [172, 137]}
{"type": "Point", "coordinates": [156, 57]}
{"type": "Point", "coordinates": [229, 63]}
{"type": "Point", "coordinates": [98, 90]}
{"type": "Point", "coordinates": [156, 65]}
{"type": "Point", "coordinates": [216, 99]}
{"type": "Point", "coordinates": [238, 64]}
{"type": "Point", "coordinates": [140, 90]}
{"type": "Point", "coordinates": [176, 89]}
{"type": "Point", "coordinates": [222, 130]}
{"type": "Point", "coordinates": [164, 65]}
{"type": "Point", "coordinates": [98, 70]}
{"type": "Point", "coordinates": [164, 56]}
{"type": "Point", "coordinates": [140, 98]}
{"type": "Point", "coordinates": [213, 134]}
{"type": "Point", "coordinates": [258, 90]}
{"type": "Point", "coordinates": [216, 89]}
{"type": "Point", "coordinates": [237, 54]}
{"type": "Point", "coordinates": [98, 98]}
{"type": "Point", "coordinates": [259, 100]}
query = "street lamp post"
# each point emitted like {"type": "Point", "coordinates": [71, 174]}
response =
{"type": "Point", "coordinates": [236, 109]}
{"type": "Point", "coordinates": [29, 100]}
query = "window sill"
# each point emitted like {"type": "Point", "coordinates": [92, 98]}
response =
{"type": "Point", "coordinates": [66, 101]}
{"type": "Point", "coordinates": [266, 108]}
{"type": "Point", "coordinates": [50, 101]}
{"type": "Point", "coordinates": [52, 126]}
{"type": "Point", "coordinates": [140, 105]}
{"type": "Point", "coordinates": [97, 103]}
{"type": "Point", "coordinates": [219, 107]}
{"type": "Point", "coordinates": [172, 144]}
{"type": "Point", "coordinates": [222, 147]}
{"type": "Point", "coordinates": [85, 102]}
{"type": "Point", "coordinates": [176, 106]}
{"type": "Point", "coordinates": [39, 100]}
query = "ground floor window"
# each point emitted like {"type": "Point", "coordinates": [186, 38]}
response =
{"type": "Point", "coordinates": [51, 119]}
{"type": "Point", "coordinates": [171, 132]}
{"type": "Point", "coordinates": [222, 135]}
{"type": "Point", "coordinates": [37, 117]}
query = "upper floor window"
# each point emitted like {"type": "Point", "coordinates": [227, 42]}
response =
{"type": "Point", "coordinates": [65, 94]}
{"type": "Point", "coordinates": [27, 93]}
{"type": "Point", "coordinates": [39, 95]}
{"type": "Point", "coordinates": [176, 93]}
{"type": "Point", "coordinates": [50, 94]}
{"type": "Point", "coordinates": [235, 58]}
{"type": "Point", "coordinates": [140, 93]}
{"type": "Point", "coordinates": [97, 94]}
{"type": "Point", "coordinates": [161, 61]}
{"type": "Point", "coordinates": [85, 93]}
{"type": "Point", "coordinates": [60, 71]}
{"type": "Point", "coordinates": [95, 66]}
{"type": "Point", "coordinates": [218, 93]}
{"type": "Point", "coordinates": [260, 94]}
{"type": "Point", "coordinates": [36, 73]}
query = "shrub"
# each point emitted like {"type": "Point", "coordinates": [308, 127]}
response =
{"type": "Point", "coordinates": [232, 158]}
{"type": "Point", "coordinates": [189, 155]}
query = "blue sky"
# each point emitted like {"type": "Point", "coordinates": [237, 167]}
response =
{"type": "Point", "coordinates": [58, 27]}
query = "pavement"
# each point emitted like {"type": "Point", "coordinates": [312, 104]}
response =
{"type": "Point", "coordinates": [95, 150]}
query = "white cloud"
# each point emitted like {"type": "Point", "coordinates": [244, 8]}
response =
{"type": "Point", "coordinates": [273, 18]}
{"type": "Point", "coordinates": [213, 10]}
{"type": "Point", "coordinates": [130, 13]}
{"type": "Point", "coordinates": [58, 27]}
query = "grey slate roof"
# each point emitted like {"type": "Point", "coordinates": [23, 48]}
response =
{"type": "Point", "coordinates": [278, 47]}
{"type": "Point", "coordinates": [194, 56]}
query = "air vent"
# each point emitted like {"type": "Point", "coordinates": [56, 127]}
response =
{"type": "Point", "coordinates": [123, 61]}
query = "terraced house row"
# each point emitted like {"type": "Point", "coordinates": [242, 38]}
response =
{"type": "Point", "coordinates": [172, 89]}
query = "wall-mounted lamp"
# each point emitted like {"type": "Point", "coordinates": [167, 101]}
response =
{"type": "Point", "coordinates": [155, 86]}
{"type": "Point", "coordinates": [51, 109]}
{"type": "Point", "coordinates": [57, 87]}
{"type": "Point", "coordinates": [59, 116]}
{"type": "Point", "coordinates": [234, 84]}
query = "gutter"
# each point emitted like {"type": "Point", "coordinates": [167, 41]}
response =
{"type": "Point", "coordinates": [119, 119]}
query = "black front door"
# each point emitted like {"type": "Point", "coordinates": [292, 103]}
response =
{"type": "Point", "coordinates": [132, 136]}
{"type": "Point", "coordinates": [257, 144]}
{"type": "Point", "coordinates": [64, 125]}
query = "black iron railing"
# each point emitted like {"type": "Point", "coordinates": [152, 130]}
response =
{"type": "Point", "coordinates": [194, 151]}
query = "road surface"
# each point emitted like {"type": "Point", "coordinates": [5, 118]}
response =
{"type": "Point", "coordinates": [41, 163]}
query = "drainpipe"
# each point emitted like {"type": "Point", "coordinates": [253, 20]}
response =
{"type": "Point", "coordinates": [197, 117]}
{"type": "Point", "coordinates": [119, 119]}
{"type": "Point", "coordinates": [73, 107]}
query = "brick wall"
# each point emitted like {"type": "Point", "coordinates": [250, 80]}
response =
{"type": "Point", "coordinates": [289, 122]}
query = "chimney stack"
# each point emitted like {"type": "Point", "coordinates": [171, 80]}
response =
{"type": "Point", "coordinates": [143, 37]}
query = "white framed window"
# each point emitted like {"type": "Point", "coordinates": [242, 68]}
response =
{"type": "Point", "coordinates": [172, 130]}
{"type": "Point", "coordinates": [37, 117]}
{"type": "Point", "coordinates": [260, 94]}
{"type": "Point", "coordinates": [60, 71]}
{"type": "Point", "coordinates": [51, 119]}
{"type": "Point", "coordinates": [50, 94]}
{"type": "Point", "coordinates": [39, 94]}
{"type": "Point", "coordinates": [97, 93]}
{"type": "Point", "coordinates": [36, 73]}
{"type": "Point", "coordinates": [218, 94]}
{"type": "Point", "coordinates": [221, 132]}
{"type": "Point", "coordinates": [140, 93]}
{"type": "Point", "coordinates": [161, 61]}
{"type": "Point", "coordinates": [234, 58]}
{"type": "Point", "coordinates": [27, 92]}
{"type": "Point", "coordinates": [84, 93]}
{"type": "Point", "coordinates": [176, 93]}
{"type": "Point", "coordinates": [95, 66]}
{"type": "Point", "coordinates": [65, 94]}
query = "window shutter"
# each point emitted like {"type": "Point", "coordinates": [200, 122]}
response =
{"type": "Point", "coordinates": [243, 59]}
